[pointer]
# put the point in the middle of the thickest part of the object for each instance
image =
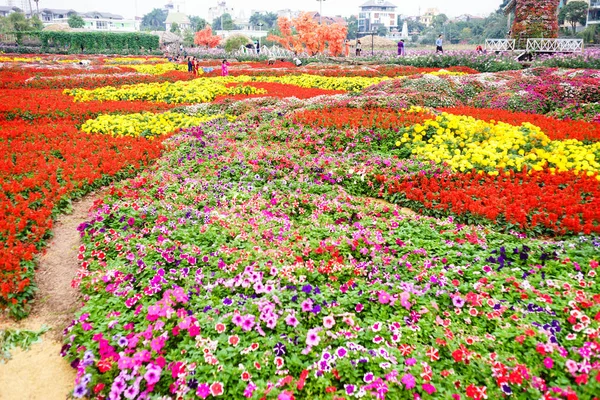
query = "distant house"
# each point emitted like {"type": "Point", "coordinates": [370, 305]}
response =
{"type": "Point", "coordinates": [594, 13]}
{"type": "Point", "coordinates": [325, 20]}
{"type": "Point", "coordinates": [376, 13]}
{"type": "Point", "coordinates": [54, 15]}
{"type": "Point", "coordinates": [178, 18]}
{"type": "Point", "coordinates": [6, 10]}
{"type": "Point", "coordinates": [427, 18]}
{"type": "Point", "coordinates": [467, 18]}
{"type": "Point", "coordinates": [94, 20]}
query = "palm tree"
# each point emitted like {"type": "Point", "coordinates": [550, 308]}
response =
{"type": "Point", "coordinates": [37, 6]}
{"type": "Point", "coordinates": [30, 10]}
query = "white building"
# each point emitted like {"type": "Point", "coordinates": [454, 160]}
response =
{"type": "Point", "coordinates": [94, 20]}
{"type": "Point", "coordinates": [220, 9]}
{"type": "Point", "coordinates": [376, 13]}
{"type": "Point", "coordinates": [6, 10]}
{"type": "Point", "coordinates": [594, 13]}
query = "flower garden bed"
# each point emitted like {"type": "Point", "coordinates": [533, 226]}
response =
{"type": "Point", "coordinates": [266, 254]}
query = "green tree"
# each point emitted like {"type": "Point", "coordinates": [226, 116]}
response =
{"type": "Point", "coordinates": [575, 12]}
{"type": "Point", "coordinates": [416, 26]}
{"type": "Point", "coordinates": [494, 26]}
{"type": "Point", "coordinates": [198, 23]}
{"type": "Point", "coordinates": [75, 21]}
{"type": "Point", "coordinates": [503, 4]}
{"type": "Point", "coordinates": [18, 23]}
{"type": "Point", "coordinates": [175, 28]}
{"type": "Point", "coordinates": [466, 34]}
{"type": "Point", "coordinates": [382, 31]}
{"type": "Point", "coordinates": [36, 23]}
{"type": "Point", "coordinates": [224, 22]}
{"type": "Point", "coordinates": [439, 20]}
{"type": "Point", "coordinates": [235, 42]}
{"type": "Point", "coordinates": [154, 20]}
{"type": "Point", "coordinates": [352, 23]}
{"type": "Point", "coordinates": [269, 20]}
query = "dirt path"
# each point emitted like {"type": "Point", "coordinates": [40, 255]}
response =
{"type": "Point", "coordinates": [41, 373]}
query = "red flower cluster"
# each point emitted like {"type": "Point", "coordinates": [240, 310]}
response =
{"type": "Point", "coordinates": [384, 118]}
{"type": "Point", "coordinates": [555, 129]}
{"type": "Point", "coordinates": [44, 161]}
{"type": "Point", "coordinates": [38, 103]}
{"type": "Point", "coordinates": [541, 201]}
{"type": "Point", "coordinates": [76, 78]}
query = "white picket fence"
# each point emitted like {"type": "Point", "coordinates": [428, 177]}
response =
{"type": "Point", "coordinates": [536, 45]}
{"type": "Point", "coordinates": [271, 52]}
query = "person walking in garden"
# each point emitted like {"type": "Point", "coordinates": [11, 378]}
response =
{"type": "Point", "coordinates": [347, 48]}
{"type": "Point", "coordinates": [196, 66]}
{"type": "Point", "coordinates": [190, 64]}
{"type": "Point", "coordinates": [438, 45]}
{"type": "Point", "coordinates": [401, 47]}
{"type": "Point", "coordinates": [224, 68]}
{"type": "Point", "coordinates": [358, 48]}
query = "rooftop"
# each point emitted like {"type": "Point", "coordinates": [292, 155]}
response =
{"type": "Point", "coordinates": [177, 18]}
{"type": "Point", "coordinates": [378, 3]}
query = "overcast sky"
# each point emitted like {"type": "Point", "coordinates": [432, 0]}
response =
{"type": "Point", "coordinates": [345, 8]}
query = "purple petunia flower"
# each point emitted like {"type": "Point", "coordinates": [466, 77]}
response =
{"type": "Point", "coordinates": [279, 349]}
{"type": "Point", "coordinates": [80, 391]}
{"type": "Point", "coordinates": [458, 301]}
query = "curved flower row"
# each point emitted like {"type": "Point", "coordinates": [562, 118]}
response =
{"type": "Point", "coordinates": [466, 143]}
{"type": "Point", "coordinates": [147, 124]}
{"type": "Point", "coordinates": [195, 91]}
{"type": "Point", "coordinates": [157, 69]}
{"type": "Point", "coordinates": [234, 270]}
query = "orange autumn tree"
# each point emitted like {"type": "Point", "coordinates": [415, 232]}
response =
{"type": "Point", "coordinates": [206, 38]}
{"type": "Point", "coordinates": [304, 34]}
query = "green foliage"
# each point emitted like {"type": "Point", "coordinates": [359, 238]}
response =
{"type": "Point", "coordinates": [591, 34]}
{"type": "Point", "coordinates": [10, 338]}
{"type": "Point", "coordinates": [269, 20]}
{"type": "Point", "coordinates": [439, 20]}
{"type": "Point", "coordinates": [352, 27]}
{"type": "Point", "coordinates": [234, 42]}
{"type": "Point", "coordinates": [75, 21]}
{"type": "Point", "coordinates": [224, 22]}
{"type": "Point", "coordinates": [18, 22]}
{"type": "Point", "coordinates": [382, 31]}
{"type": "Point", "coordinates": [198, 23]}
{"type": "Point", "coordinates": [93, 42]}
{"type": "Point", "coordinates": [36, 23]}
{"type": "Point", "coordinates": [154, 20]}
{"type": "Point", "coordinates": [175, 28]}
{"type": "Point", "coordinates": [575, 12]}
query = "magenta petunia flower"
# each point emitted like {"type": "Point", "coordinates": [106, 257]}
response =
{"type": "Point", "coordinates": [548, 362]}
{"type": "Point", "coordinates": [312, 337]}
{"type": "Point", "coordinates": [409, 381]}
{"type": "Point", "coordinates": [429, 388]}
{"type": "Point", "coordinates": [291, 321]}
{"type": "Point", "coordinates": [203, 390]}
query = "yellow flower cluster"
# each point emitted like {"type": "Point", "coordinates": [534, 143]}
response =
{"type": "Point", "coordinates": [446, 73]}
{"type": "Point", "coordinates": [349, 84]}
{"type": "Point", "coordinates": [466, 143]}
{"type": "Point", "coordinates": [157, 69]}
{"type": "Point", "coordinates": [19, 59]}
{"type": "Point", "coordinates": [145, 124]}
{"type": "Point", "coordinates": [194, 91]}
{"type": "Point", "coordinates": [132, 60]}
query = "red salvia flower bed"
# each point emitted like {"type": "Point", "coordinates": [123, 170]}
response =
{"type": "Point", "coordinates": [559, 203]}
